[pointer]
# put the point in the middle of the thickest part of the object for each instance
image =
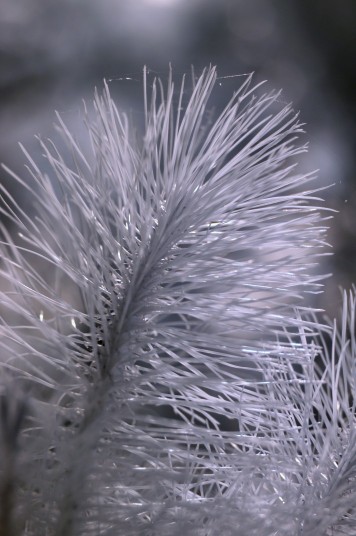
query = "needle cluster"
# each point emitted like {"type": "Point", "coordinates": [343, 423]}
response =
{"type": "Point", "coordinates": [168, 376]}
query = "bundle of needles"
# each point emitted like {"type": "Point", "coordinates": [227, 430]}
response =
{"type": "Point", "coordinates": [162, 373]}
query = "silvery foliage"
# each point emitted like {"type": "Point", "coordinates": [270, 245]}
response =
{"type": "Point", "coordinates": [161, 375]}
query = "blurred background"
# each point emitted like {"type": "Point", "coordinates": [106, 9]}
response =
{"type": "Point", "coordinates": [54, 52]}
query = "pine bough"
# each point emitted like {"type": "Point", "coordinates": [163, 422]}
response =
{"type": "Point", "coordinates": [160, 374]}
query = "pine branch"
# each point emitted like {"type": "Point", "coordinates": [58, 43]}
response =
{"type": "Point", "coordinates": [155, 318]}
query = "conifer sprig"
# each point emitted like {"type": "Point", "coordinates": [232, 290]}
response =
{"type": "Point", "coordinates": [154, 316]}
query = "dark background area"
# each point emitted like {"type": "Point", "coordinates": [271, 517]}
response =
{"type": "Point", "coordinates": [54, 52]}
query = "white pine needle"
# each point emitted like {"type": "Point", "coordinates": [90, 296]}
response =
{"type": "Point", "coordinates": [151, 319]}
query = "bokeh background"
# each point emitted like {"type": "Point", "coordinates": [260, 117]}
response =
{"type": "Point", "coordinates": [54, 52]}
